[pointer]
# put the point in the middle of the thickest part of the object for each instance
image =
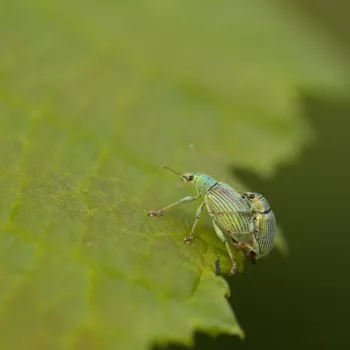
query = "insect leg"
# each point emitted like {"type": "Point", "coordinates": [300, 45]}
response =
{"type": "Point", "coordinates": [223, 238]}
{"type": "Point", "coordinates": [246, 242]}
{"type": "Point", "coordinates": [246, 248]}
{"type": "Point", "coordinates": [231, 212]}
{"type": "Point", "coordinates": [217, 267]}
{"type": "Point", "coordinates": [198, 214]}
{"type": "Point", "coordinates": [248, 251]}
{"type": "Point", "coordinates": [183, 200]}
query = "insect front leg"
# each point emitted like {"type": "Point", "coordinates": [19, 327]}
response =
{"type": "Point", "coordinates": [223, 238]}
{"type": "Point", "coordinates": [183, 200]}
{"type": "Point", "coordinates": [198, 214]}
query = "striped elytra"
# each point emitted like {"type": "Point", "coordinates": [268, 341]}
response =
{"type": "Point", "coordinates": [224, 205]}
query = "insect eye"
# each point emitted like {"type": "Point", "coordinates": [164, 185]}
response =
{"type": "Point", "coordinates": [191, 177]}
{"type": "Point", "coordinates": [244, 196]}
{"type": "Point", "coordinates": [252, 196]}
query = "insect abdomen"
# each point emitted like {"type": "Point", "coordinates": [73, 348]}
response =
{"type": "Point", "coordinates": [222, 198]}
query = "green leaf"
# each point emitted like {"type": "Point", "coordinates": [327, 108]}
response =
{"type": "Point", "coordinates": [94, 98]}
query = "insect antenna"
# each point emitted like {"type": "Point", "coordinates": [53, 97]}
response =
{"type": "Point", "coordinates": [175, 172]}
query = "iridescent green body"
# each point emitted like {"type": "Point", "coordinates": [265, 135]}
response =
{"type": "Point", "coordinates": [232, 215]}
{"type": "Point", "coordinates": [264, 222]}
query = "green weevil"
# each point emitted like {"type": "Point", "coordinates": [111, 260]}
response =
{"type": "Point", "coordinates": [231, 214]}
{"type": "Point", "coordinates": [264, 222]}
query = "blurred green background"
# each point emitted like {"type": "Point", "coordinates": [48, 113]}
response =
{"type": "Point", "coordinates": [95, 97]}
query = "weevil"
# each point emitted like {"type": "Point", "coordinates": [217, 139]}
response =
{"type": "Point", "coordinates": [231, 214]}
{"type": "Point", "coordinates": [264, 222]}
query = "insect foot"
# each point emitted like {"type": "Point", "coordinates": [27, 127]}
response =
{"type": "Point", "coordinates": [217, 267]}
{"type": "Point", "coordinates": [188, 240]}
{"type": "Point", "coordinates": [252, 256]}
{"type": "Point", "coordinates": [155, 213]}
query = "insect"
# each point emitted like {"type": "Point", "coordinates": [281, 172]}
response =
{"type": "Point", "coordinates": [264, 222]}
{"type": "Point", "coordinates": [232, 215]}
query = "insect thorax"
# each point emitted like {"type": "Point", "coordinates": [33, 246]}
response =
{"type": "Point", "coordinates": [261, 205]}
{"type": "Point", "coordinates": [203, 183]}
